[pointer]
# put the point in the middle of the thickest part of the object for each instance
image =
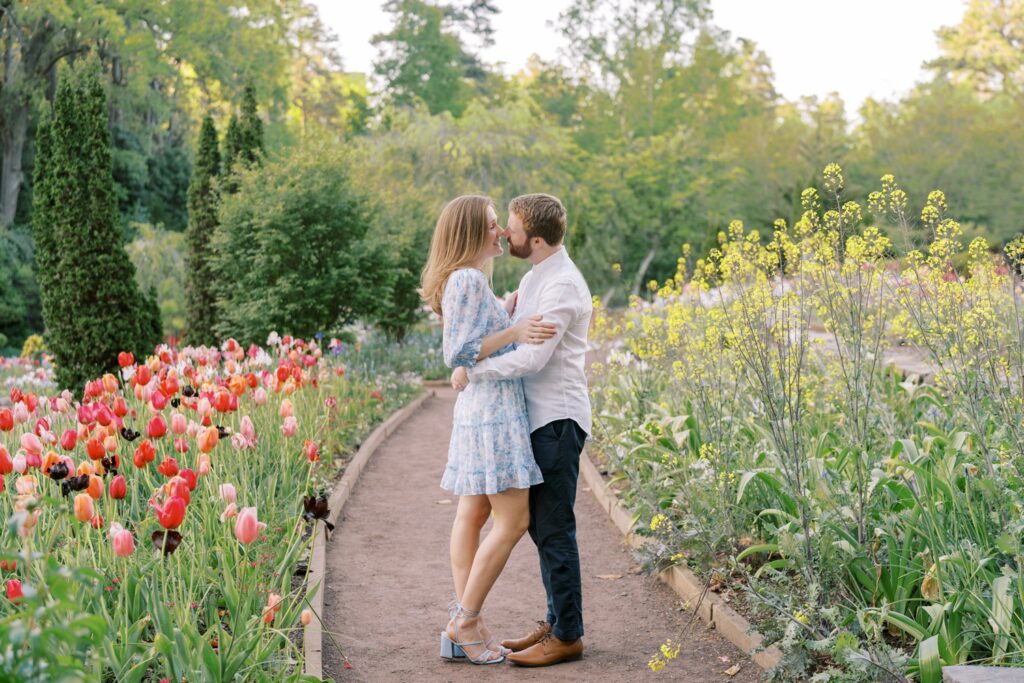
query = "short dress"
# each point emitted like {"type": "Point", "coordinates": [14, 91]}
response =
{"type": "Point", "coordinates": [490, 447]}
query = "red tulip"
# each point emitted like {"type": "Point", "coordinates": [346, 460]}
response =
{"type": "Point", "coordinates": [6, 464]}
{"type": "Point", "coordinates": [14, 591]}
{"type": "Point", "coordinates": [171, 513]}
{"type": "Point", "coordinates": [118, 487]}
{"type": "Point", "coordinates": [94, 448]}
{"type": "Point", "coordinates": [97, 521]}
{"type": "Point", "coordinates": [68, 439]}
{"type": "Point", "coordinates": [156, 427]}
{"type": "Point", "coordinates": [8, 565]}
{"type": "Point", "coordinates": [168, 468]}
{"type": "Point", "coordinates": [247, 526]}
{"type": "Point", "coordinates": [142, 375]}
{"type": "Point", "coordinates": [104, 415]}
{"type": "Point", "coordinates": [125, 358]}
{"type": "Point", "coordinates": [312, 450]}
{"type": "Point", "coordinates": [120, 406]}
{"type": "Point", "coordinates": [178, 487]}
{"type": "Point", "coordinates": [190, 478]}
{"type": "Point", "coordinates": [222, 401]}
{"type": "Point", "coordinates": [159, 400]}
{"type": "Point", "coordinates": [144, 453]}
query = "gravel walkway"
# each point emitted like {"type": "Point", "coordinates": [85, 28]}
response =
{"type": "Point", "coordinates": [388, 581]}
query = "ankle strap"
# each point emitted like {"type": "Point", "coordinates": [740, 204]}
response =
{"type": "Point", "coordinates": [467, 613]}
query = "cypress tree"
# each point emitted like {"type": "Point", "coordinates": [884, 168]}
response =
{"type": "Point", "coordinates": [251, 125]}
{"type": "Point", "coordinates": [91, 302]}
{"type": "Point", "coordinates": [203, 204]}
{"type": "Point", "coordinates": [232, 146]}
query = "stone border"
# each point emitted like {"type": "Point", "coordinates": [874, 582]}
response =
{"type": "Point", "coordinates": [731, 624]}
{"type": "Point", "coordinates": [312, 634]}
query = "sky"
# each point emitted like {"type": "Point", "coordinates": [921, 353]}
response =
{"type": "Point", "coordinates": [871, 48]}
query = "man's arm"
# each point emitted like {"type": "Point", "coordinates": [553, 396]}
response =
{"type": "Point", "coordinates": [558, 304]}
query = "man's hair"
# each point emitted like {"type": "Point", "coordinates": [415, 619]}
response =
{"type": "Point", "coordinates": [542, 215]}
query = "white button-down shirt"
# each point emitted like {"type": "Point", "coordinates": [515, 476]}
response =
{"type": "Point", "coordinates": [554, 373]}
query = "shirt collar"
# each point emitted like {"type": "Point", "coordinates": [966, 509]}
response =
{"type": "Point", "coordinates": [551, 263]}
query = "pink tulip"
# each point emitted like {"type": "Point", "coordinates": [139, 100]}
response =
{"type": "Point", "coordinates": [238, 442]}
{"type": "Point", "coordinates": [248, 430]}
{"type": "Point", "coordinates": [25, 486]}
{"type": "Point", "coordinates": [19, 463]}
{"type": "Point", "coordinates": [21, 413]}
{"type": "Point", "coordinates": [227, 493]}
{"type": "Point", "coordinates": [230, 511]}
{"type": "Point", "coordinates": [31, 443]}
{"type": "Point", "coordinates": [204, 407]}
{"type": "Point", "coordinates": [124, 542]}
{"type": "Point", "coordinates": [286, 409]}
{"type": "Point", "coordinates": [204, 465]}
{"type": "Point", "coordinates": [289, 426]}
{"type": "Point", "coordinates": [178, 423]}
{"type": "Point", "coordinates": [247, 526]}
{"type": "Point", "coordinates": [259, 397]}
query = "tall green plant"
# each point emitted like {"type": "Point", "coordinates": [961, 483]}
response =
{"type": "Point", "coordinates": [92, 306]}
{"type": "Point", "coordinates": [203, 203]}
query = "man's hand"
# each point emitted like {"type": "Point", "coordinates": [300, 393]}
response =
{"type": "Point", "coordinates": [460, 379]}
{"type": "Point", "coordinates": [510, 302]}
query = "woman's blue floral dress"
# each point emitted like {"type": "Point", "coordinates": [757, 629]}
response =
{"type": "Point", "coordinates": [490, 447]}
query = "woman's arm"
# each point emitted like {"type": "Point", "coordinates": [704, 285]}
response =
{"type": "Point", "coordinates": [527, 331]}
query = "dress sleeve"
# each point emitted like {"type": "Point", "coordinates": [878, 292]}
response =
{"type": "Point", "coordinates": [465, 311]}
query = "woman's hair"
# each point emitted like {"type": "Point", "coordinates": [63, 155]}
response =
{"type": "Point", "coordinates": [460, 236]}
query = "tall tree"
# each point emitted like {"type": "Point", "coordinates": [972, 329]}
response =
{"type": "Point", "coordinates": [423, 58]}
{"type": "Point", "coordinates": [243, 143]}
{"type": "Point", "coordinates": [92, 306]}
{"type": "Point", "coordinates": [203, 204]}
{"type": "Point", "coordinates": [986, 49]}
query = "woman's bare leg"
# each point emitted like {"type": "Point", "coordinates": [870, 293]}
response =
{"type": "Point", "coordinates": [470, 518]}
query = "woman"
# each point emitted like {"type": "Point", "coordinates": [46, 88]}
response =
{"type": "Point", "coordinates": [490, 461]}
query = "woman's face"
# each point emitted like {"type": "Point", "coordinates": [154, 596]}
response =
{"type": "Point", "coordinates": [494, 234]}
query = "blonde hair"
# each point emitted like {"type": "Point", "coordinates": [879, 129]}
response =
{"type": "Point", "coordinates": [460, 236]}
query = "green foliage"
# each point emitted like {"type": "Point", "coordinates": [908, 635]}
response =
{"type": "Point", "coordinates": [203, 204]}
{"type": "Point", "coordinates": [294, 251]}
{"type": "Point", "coordinates": [91, 303]}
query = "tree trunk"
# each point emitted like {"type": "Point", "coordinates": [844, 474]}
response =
{"type": "Point", "coordinates": [638, 282]}
{"type": "Point", "coordinates": [12, 137]}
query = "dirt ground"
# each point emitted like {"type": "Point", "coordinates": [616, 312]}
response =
{"type": "Point", "coordinates": [388, 583]}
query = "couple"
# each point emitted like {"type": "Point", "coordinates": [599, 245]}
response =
{"type": "Point", "coordinates": [520, 420]}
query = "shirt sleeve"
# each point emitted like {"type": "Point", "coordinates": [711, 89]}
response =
{"type": "Point", "coordinates": [465, 312]}
{"type": "Point", "coordinates": [558, 304]}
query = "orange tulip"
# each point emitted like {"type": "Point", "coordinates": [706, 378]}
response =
{"type": "Point", "coordinates": [84, 510]}
{"type": "Point", "coordinates": [208, 439]}
{"type": "Point", "coordinates": [95, 488]}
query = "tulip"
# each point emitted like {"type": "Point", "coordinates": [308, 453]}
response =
{"type": "Point", "coordinates": [204, 465]}
{"type": "Point", "coordinates": [156, 427]}
{"type": "Point", "coordinates": [142, 375]}
{"type": "Point", "coordinates": [33, 460]}
{"type": "Point", "coordinates": [103, 415]}
{"type": "Point", "coordinates": [19, 464]}
{"type": "Point", "coordinates": [238, 442]}
{"type": "Point", "coordinates": [272, 608]}
{"type": "Point", "coordinates": [97, 521]}
{"type": "Point", "coordinates": [120, 406]}
{"type": "Point", "coordinates": [14, 591]}
{"type": "Point", "coordinates": [118, 488]}
{"type": "Point", "coordinates": [248, 430]}
{"type": "Point", "coordinates": [125, 358]}
{"type": "Point", "coordinates": [123, 541]}
{"type": "Point", "coordinates": [178, 487]}
{"type": "Point", "coordinates": [222, 401]}
{"type": "Point", "coordinates": [68, 439]}
{"type": "Point", "coordinates": [181, 445]}
{"type": "Point", "coordinates": [31, 443]}
{"type": "Point", "coordinates": [94, 448]}
{"type": "Point", "coordinates": [208, 439]}
{"type": "Point", "coordinates": [190, 478]}
{"type": "Point", "coordinates": [171, 513]}
{"type": "Point", "coordinates": [84, 509]}
{"type": "Point", "coordinates": [178, 423]}
{"type": "Point", "coordinates": [227, 493]}
{"type": "Point", "coordinates": [168, 468]}
{"type": "Point", "coordinates": [95, 487]}
{"type": "Point", "coordinates": [204, 407]}
{"type": "Point", "coordinates": [312, 450]}
{"type": "Point", "coordinates": [247, 526]}
{"type": "Point", "coordinates": [6, 464]}
{"type": "Point", "coordinates": [230, 511]}
{"type": "Point", "coordinates": [305, 617]}
{"type": "Point", "coordinates": [286, 409]}
{"type": "Point", "coordinates": [21, 413]}
{"type": "Point", "coordinates": [259, 397]}
{"type": "Point", "coordinates": [110, 443]}
{"type": "Point", "coordinates": [289, 426]}
{"type": "Point", "coordinates": [6, 419]}
{"type": "Point", "coordinates": [109, 383]}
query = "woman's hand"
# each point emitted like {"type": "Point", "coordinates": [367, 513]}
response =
{"type": "Point", "coordinates": [534, 330]}
{"type": "Point", "coordinates": [510, 302]}
{"type": "Point", "coordinates": [460, 378]}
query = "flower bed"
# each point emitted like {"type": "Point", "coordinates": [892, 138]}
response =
{"type": "Point", "coordinates": [156, 527]}
{"type": "Point", "coordinates": [869, 523]}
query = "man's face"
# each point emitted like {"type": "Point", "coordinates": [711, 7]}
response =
{"type": "Point", "coordinates": [518, 241]}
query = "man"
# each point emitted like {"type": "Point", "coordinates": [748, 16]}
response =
{"type": "Point", "coordinates": [558, 404]}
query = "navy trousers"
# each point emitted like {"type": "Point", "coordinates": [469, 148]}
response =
{"type": "Point", "coordinates": [556, 448]}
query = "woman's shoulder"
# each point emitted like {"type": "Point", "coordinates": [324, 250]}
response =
{"type": "Point", "coordinates": [466, 277]}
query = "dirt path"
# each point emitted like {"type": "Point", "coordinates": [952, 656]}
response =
{"type": "Point", "coordinates": [388, 581]}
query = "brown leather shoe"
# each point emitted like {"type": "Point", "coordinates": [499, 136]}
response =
{"type": "Point", "coordinates": [549, 650]}
{"type": "Point", "coordinates": [543, 628]}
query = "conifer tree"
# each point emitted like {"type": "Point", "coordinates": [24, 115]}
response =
{"type": "Point", "coordinates": [92, 306]}
{"type": "Point", "coordinates": [203, 204]}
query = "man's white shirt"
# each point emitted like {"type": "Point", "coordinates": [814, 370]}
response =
{"type": "Point", "coordinates": [554, 373]}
